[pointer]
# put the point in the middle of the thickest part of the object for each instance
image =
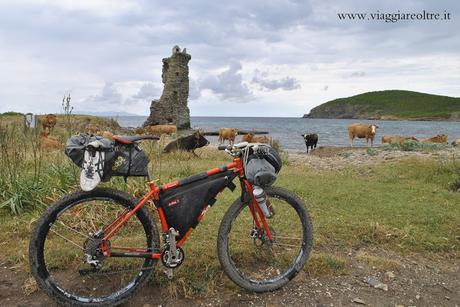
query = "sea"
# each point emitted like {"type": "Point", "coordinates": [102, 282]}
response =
{"type": "Point", "coordinates": [331, 132]}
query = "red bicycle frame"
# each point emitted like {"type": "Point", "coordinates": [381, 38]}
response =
{"type": "Point", "coordinates": [154, 193]}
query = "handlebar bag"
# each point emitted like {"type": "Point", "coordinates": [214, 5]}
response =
{"type": "Point", "coordinates": [263, 166]}
{"type": "Point", "coordinates": [183, 205]}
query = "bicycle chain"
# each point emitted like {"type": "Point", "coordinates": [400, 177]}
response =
{"type": "Point", "coordinates": [111, 272]}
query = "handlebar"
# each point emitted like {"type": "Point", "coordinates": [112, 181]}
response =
{"type": "Point", "coordinates": [235, 149]}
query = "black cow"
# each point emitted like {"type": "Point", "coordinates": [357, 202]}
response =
{"type": "Point", "coordinates": [310, 140]}
{"type": "Point", "coordinates": [187, 143]}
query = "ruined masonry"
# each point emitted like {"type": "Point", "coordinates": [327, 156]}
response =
{"type": "Point", "coordinates": [172, 107]}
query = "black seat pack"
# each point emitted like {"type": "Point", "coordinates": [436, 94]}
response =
{"type": "Point", "coordinates": [184, 204]}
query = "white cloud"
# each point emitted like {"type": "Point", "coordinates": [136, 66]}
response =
{"type": "Point", "coordinates": [264, 83]}
{"type": "Point", "coordinates": [228, 84]}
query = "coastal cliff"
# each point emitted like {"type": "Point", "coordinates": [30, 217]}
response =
{"type": "Point", "coordinates": [390, 105]}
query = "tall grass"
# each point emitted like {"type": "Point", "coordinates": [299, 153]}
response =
{"type": "Point", "coordinates": [28, 176]}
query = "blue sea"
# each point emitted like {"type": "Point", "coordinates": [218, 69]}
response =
{"type": "Point", "coordinates": [331, 132]}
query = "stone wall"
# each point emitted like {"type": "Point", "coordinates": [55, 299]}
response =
{"type": "Point", "coordinates": [172, 107]}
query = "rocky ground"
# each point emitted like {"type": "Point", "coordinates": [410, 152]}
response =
{"type": "Point", "coordinates": [333, 158]}
{"type": "Point", "coordinates": [368, 280]}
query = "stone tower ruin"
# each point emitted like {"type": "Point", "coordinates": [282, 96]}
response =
{"type": "Point", "coordinates": [172, 107]}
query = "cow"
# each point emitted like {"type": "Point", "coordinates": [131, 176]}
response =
{"type": "Point", "coordinates": [161, 129]}
{"type": "Point", "coordinates": [227, 134]}
{"type": "Point", "coordinates": [440, 138]}
{"type": "Point", "coordinates": [48, 142]}
{"type": "Point", "coordinates": [362, 131]}
{"type": "Point", "coordinates": [187, 143]}
{"type": "Point", "coordinates": [92, 129]}
{"type": "Point", "coordinates": [252, 138]}
{"type": "Point", "coordinates": [393, 139]}
{"type": "Point", "coordinates": [248, 137]}
{"type": "Point", "coordinates": [261, 139]}
{"type": "Point", "coordinates": [456, 142]}
{"type": "Point", "coordinates": [139, 131]}
{"type": "Point", "coordinates": [310, 140]}
{"type": "Point", "coordinates": [107, 134]}
{"type": "Point", "coordinates": [48, 123]}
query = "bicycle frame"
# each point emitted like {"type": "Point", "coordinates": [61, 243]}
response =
{"type": "Point", "coordinates": [154, 194]}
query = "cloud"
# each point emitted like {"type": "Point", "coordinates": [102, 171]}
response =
{"type": "Point", "coordinates": [148, 91]}
{"type": "Point", "coordinates": [355, 74]}
{"type": "Point", "coordinates": [108, 95]}
{"type": "Point", "coordinates": [286, 83]}
{"type": "Point", "coordinates": [228, 84]}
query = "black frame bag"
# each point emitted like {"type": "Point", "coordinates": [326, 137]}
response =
{"type": "Point", "coordinates": [183, 205]}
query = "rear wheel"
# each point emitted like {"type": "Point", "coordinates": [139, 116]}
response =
{"type": "Point", "coordinates": [253, 261]}
{"type": "Point", "coordinates": [70, 230]}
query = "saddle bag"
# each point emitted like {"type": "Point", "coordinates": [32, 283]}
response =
{"type": "Point", "coordinates": [117, 159]}
{"type": "Point", "coordinates": [183, 205]}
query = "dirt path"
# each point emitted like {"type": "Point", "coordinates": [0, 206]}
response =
{"type": "Point", "coordinates": [398, 281]}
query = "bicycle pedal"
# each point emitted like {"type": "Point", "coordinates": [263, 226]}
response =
{"type": "Point", "coordinates": [169, 273]}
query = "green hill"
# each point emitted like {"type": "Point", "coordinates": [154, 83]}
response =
{"type": "Point", "coordinates": [391, 104]}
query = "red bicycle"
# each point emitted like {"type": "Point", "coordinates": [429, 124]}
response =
{"type": "Point", "coordinates": [97, 248]}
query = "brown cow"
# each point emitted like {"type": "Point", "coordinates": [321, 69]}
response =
{"type": "Point", "coordinates": [139, 131]}
{"type": "Point", "coordinates": [252, 138]}
{"type": "Point", "coordinates": [107, 134]}
{"type": "Point", "coordinates": [248, 137]}
{"type": "Point", "coordinates": [48, 142]}
{"type": "Point", "coordinates": [440, 138]}
{"type": "Point", "coordinates": [362, 131]}
{"type": "Point", "coordinates": [161, 129]}
{"type": "Point", "coordinates": [48, 123]}
{"type": "Point", "coordinates": [227, 134]}
{"type": "Point", "coordinates": [392, 139]}
{"type": "Point", "coordinates": [92, 129]}
{"type": "Point", "coordinates": [261, 139]}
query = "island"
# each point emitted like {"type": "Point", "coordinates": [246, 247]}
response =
{"type": "Point", "coordinates": [390, 105]}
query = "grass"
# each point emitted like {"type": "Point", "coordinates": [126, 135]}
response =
{"type": "Point", "coordinates": [391, 104]}
{"type": "Point", "coordinates": [404, 206]}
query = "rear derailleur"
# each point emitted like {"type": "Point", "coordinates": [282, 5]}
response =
{"type": "Point", "coordinates": [93, 253]}
{"type": "Point", "coordinates": [172, 255]}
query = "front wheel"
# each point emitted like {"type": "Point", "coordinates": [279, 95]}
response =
{"type": "Point", "coordinates": [253, 261]}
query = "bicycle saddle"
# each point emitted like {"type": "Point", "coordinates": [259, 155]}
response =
{"type": "Point", "coordinates": [130, 139]}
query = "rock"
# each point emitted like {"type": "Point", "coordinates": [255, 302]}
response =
{"type": "Point", "coordinates": [376, 283]}
{"type": "Point", "coordinates": [417, 296]}
{"type": "Point", "coordinates": [357, 300]}
{"type": "Point", "coordinates": [390, 275]}
{"type": "Point", "coordinates": [381, 286]}
{"type": "Point", "coordinates": [172, 107]}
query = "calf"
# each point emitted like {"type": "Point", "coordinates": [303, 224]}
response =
{"type": "Point", "coordinates": [187, 143]}
{"type": "Point", "coordinates": [362, 131]}
{"type": "Point", "coordinates": [251, 138]}
{"type": "Point", "coordinates": [161, 129]}
{"type": "Point", "coordinates": [227, 134]}
{"type": "Point", "coordinates": [310, 140]}
{"type": "Point", "coordinates": [391, 139]}
{"type": "Point", "coordinates": [49, 143]}
{"type": "Point", "coordinates": [48, 123]}
{"type": "Point", "coordinates": [440, 138]}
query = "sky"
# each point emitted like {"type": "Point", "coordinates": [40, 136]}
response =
{"type": "Point", "coordinates": [249, 58]}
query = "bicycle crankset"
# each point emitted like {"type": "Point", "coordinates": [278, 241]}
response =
{"type": "Point", "coordinates": [171, 260]}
